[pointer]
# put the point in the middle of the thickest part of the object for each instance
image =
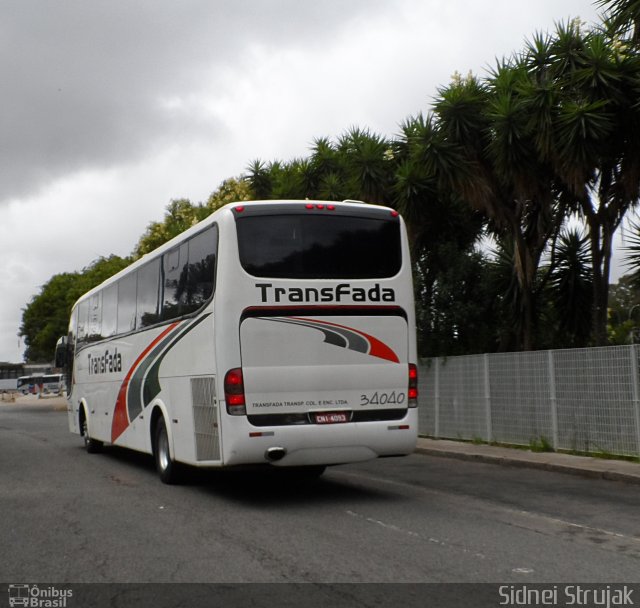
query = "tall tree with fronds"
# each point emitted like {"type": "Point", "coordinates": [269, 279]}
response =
{"type": "Point", "coordinates": [443, 232]}
{"type": "Point", "coordinates": [260, 177]}
{"type": "Point", "coordinates": [623, 17]}
{"type": "Point", "coordinates": [483, 147]}
{"type": "Point", "coordinates": [367, 161]}
{"type": "Point", "coordinates": [597, 133]}
{"type": "Point", "coordinates": [570, 289]}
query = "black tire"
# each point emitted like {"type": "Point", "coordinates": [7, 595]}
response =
{"type": "Point", "coordinates": [167, 468]}
{"type": "Point", "coordinates": [93, 446]}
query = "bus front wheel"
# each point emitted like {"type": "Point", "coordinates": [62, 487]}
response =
{"type": "Point", "coordinates": [167, 468]}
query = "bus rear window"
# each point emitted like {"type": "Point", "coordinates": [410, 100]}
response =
{"type": "Point", "coordinates": [319, 246]}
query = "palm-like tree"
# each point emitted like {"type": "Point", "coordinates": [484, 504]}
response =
{"type": "Point", "coordinates": [260, 178]}
{"type": "Point", "coordinates": [571, 288]}
{"type": "Point", "coordinates": [497, 168]}
{"type": "Point", "coordinates": [597, 153]}
{"type": "Point", "coordinates": [364, 156]}
{"type": "Point", "coordinates": [624, 17]}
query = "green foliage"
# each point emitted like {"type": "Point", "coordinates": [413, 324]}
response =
{"type": "Point", "coordinates": [229, 191]}
{"type": "Point", "coordinates": [624, 311]}
{"type": "Point", "coordinates": [46, 316]}
{"type": "Point", "coordinates": [456, 312]}
{"type": "Point", "coordinates": [180, 215]}
{"type": "Point", "coordinates": [571, 290]}
{"type": "Point", "coordinates": [540, 444]}
{"type": "Point", "coordinates": [358, 165]}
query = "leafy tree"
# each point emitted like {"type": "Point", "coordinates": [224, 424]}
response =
{"type": "Point", "coordinates": [443, 232]}
{"type": "Point", "coordinates": [624, 311]}
{"type": "Point", "coordinates": [571, 290]}
{"type": "Point", "coordinates": [260, 178]}
{"type": "Point", "coordinates": [480, 144]}
{"type": "Point", "coordinates": [366, 161]}
{"type": "Point", "coordinates": [552, 130]}
{"type": "Point", "coordinates": [231, 190]}
{"type": "Point", "coordinates": [624, 18]}
{"type": "Point", "coordinates": [180, 215]}
{"type": "Point", "coordinates": [46, 316]}
{"type": "Point", "coordinates": [456, 308]}
{"type": "Point", "coordinates": [597, 153]}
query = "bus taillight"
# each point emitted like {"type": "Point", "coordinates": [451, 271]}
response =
{"type": "Point", "coordinates": [413, 385]}
{"type": "Point", "coordinates": [234, 392]}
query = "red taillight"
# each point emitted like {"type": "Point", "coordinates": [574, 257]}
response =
{"type": "Point", "coordinates": [320, 206]}
{"type": "Point", "coordinates": [413, 385]}
{"type": "Point", "coordinates": [234, 392]}
{"type": "Point", "coordinates": [239, 209]}
{"type": "Point", "coordinates": [394, 214]}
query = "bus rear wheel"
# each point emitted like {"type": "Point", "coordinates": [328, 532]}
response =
{"type": "Point", "coordinates": [93, 446]}
{"type": "Point", "coordinates": [167, 468]}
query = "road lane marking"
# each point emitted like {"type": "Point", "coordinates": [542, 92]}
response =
{"type": "Point", "coordinates": [413, 534]}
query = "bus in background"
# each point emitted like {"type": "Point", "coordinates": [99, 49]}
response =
{"type": "Point", "coordinates": [47, 384]}
{"type": "Point", "coordinates": [30, 385]}
{"type": "Point", "coordinates": [53, 384]}
{"type": "Point", "coordinates": [276, 333]}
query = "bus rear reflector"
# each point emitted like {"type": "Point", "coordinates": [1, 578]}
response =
{"type": "Point", "coordinates": [413, 385]}
{"type": "Point", "coordinates": [234, 392]}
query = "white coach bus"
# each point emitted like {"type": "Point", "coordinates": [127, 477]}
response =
{"type": "Point", "coordinates": [277, 333]}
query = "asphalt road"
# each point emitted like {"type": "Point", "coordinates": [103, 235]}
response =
{"type": "Point", "coordinates": [67, 516]}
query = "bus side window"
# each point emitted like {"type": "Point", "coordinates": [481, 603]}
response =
{"type": "Point", "coordinates": [127, 303]}
{"type": "Point", "coordinates": [148, 301]}
{"type": "Point", "coordinates": [94, 331]}
{"type": "Point", "coordinates": [110, 311]}
{"type": "Point", "coordinates": [174, 264]}
{"type": "Point", "coordinates": [83, 322]}
{"type": "Point", "coordinates": [200, 274]}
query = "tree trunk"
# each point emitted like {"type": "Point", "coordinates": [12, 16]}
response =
{"type": "Point", "coordinates": [601, 237]}
{"type": "Point", "coordinates": [525, 273]}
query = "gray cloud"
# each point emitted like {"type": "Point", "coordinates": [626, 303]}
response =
{"type": "Point", "coordinates": [86, 80]}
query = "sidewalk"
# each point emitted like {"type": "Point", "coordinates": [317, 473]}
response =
{"type": "Point", "coordinates": [600, 468]}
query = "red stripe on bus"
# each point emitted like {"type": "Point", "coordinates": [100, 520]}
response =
{"type": "Point", "coordinates": [120, 419]}
{"type": "Point", "coordinates": [377, 348]}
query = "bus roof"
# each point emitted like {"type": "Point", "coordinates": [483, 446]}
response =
{"type": "Point", "coordinates": [354, 208]}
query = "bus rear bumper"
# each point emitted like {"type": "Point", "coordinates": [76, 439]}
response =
{"type": "Point", "coordinates": [323, 444]}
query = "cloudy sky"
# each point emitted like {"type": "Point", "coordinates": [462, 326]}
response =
{"type": "Point", "coordinates": [111, 108]}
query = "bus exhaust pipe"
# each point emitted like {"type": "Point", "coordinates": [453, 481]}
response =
{"type": "Point", "coordinates": [275, 454]}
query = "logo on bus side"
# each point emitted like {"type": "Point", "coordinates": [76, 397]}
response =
{"type": "Point", "coordinates": [109, 362]}
{"type": "Point", "coordinates": [340, 292]}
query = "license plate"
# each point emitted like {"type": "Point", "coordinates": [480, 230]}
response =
{"type": "Point", "coordinates": [331, 418]}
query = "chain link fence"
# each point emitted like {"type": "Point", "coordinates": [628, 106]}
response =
{"type": "Point", "coordinates": [584, 400]}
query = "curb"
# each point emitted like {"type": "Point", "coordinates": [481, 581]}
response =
{"type": "Point", "coordinates": [600, 469]}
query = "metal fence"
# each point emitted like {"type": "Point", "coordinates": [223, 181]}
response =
{"type": "Point", "coordinates": [587, 400]}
